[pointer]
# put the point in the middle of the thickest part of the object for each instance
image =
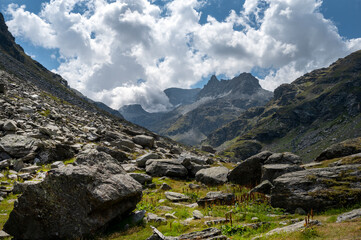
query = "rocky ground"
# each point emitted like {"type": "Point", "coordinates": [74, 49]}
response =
{"type": "Point", "coordinates": [71, 173]}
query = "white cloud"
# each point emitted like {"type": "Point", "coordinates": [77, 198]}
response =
{"type": "Point", "coordinates": [107, 47]}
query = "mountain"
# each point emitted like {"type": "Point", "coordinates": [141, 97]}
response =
{"type": "Point", "coordinates": [198, 112]}
{"type": "Point", "coordinates": [314, 111]}
{"type": "Point", "coordinates": [14, 60]}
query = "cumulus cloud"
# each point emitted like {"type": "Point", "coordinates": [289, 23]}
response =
{"type": "Point", "coordinates": [129, 51]}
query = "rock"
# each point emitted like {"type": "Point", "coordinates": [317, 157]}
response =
{"type": "Point", "coordinates": [10, 126]}
{"type": "Point", "coordinates": [4, 235]}
{"type": "Point", "coordinates": [165, 208]}
{"type": "Point", "coordinates": [118, 155]}
{"type": "Point", "coordinates": [155, 219]}
{"type": "Point", "coordinates": [193, 164]}
{"type": "Point", "coordinates": [50, 130]}
{"type": "Point", "coordinates": [170, 216]}
{"type": "Point", "coordinates": [300, 211]}
{"type": "Point", "coordinates": [206, 234]}
{"type": "Point", "coordinates": [342, 149]}
{"type": "Point", "coordinates": [264, 187]}
{"type": "Point", "coordinates": [144, 141]}
{"type": "Point", "coordinates": [57, 164]}
{"type": "Point", "coordinates": [318, 188]}
{"type": "Point", "coordinates": [137, 217]}
{"type": "Point", "coordinates": [166, 167]}
{"type": "Point", "coordinates": [249, 171]}
{"type": "Point", "coordinates": [272, 171]}
{"type": "Point", "coordinates": [197, 214]}
{"type": "Point", "coordinates": [194, 186]}
{"type": "Point", "coordinates": [291, 228]}
{"type": "Point", "coordinates": [283, 158]}
{"type": "Point", "coordinates": [176, 197]}
{"type": "Point", "coordinates": [208, 148]}
{"type": "Point", "coordinates": [165, 187]}
{"type": "Point", "coordinates": [91, 194]}
{"type": "Point", "coordinates": [141, 178]}
{"type": "Point", "coordinates": [18, 165]}
{"type": "Point", "coordinates": [4, 164]}
{"type": "Point", "coordinates": [349, 215]}
{"type": "Point", "coordinates": [217, 198]}
{"type": "Point", "coordinates": [129, 167]}
{"type": "Point", "coordinates": [4, 156]}
{"type": "Point", "coordinates": [30, 169]}
{"type": "Point", "coordinates": [18, 146]}
{"type": "Point", "coordinates": [212, 176]}
{"type": "Point", "coordinates": [140, 162]}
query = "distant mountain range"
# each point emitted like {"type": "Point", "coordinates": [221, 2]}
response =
{"type": "Point", "coordinates": [199, 112]}
{"type": "Point", "coordinates": [316, 110]}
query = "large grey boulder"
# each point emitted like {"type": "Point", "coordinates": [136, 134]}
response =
{"type": "Point", "coordinates": [116, 154]}
{"type": "Point", "coordinates": [18, 146]}
{"type": "Point", "coordinates": [264, 187]}
{"type": "Point", "coordinates": [249, 171]}
{"type": "Point", "coordinates": [141, 161]}
{"type": "Point", "coordinates": [144, 141]}
{"type": "Point", "coordinates": [283, 158]}
{"type": "Point", "coordinates": [166, 167]}
{"type": "Point", "coordinates": [212, 176]}
{"type": "Point", "coordinates": [342, 149]}
{"type": "Point", "coordinates": [272, 171]}
{"type": "Point", "coordinates": [55, 151]}
{"type": "Point", "coordinates": [74, 202]}
{"type": "Point", "coordinates": [318, 189]}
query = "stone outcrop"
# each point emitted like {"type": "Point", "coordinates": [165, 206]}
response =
{"type": "Point", "coordinates": [318, 188]}
{"type": "Point", "coordinates": [272, 171]}
{"type": "Point", "coordinates": [75, 201]}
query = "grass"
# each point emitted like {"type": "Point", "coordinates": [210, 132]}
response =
{"type": "Point", "coordinates": [6, 206]}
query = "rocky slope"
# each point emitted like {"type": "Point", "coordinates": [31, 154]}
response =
{"type": "Point", "coordinates": [15, 61]}
{"type": "Point", "coordinates": [311, 113]}
{"type": "Point", "coordinates": [201, 111]}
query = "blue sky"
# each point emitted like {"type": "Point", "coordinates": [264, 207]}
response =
{"type": "Point", "coordinates": [174, 43]}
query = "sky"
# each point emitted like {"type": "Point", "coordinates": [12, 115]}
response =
{"type": "Point", "coordinates": [128, 51]}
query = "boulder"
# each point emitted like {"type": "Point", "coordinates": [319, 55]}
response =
{"type": "Point", "coordinates": [144, 141]}
{"type": "Point", "coordinates": [9, 125]}
{"type": "Point", "coordinates": [50, 130]}
{"type": "Point", "coordinates": [193, 164]}
{"type": "Point", "coordinates": [141, 178]}
{"type": "Point", "coordinates": [165, 187]}
{"type": "Point", "coordinates": [342, 149]}
{"type": "Point", "coordinates": [141, 161]}
{"type": "Point", "coordinates": [166, 167]}
{"type": "Point", "coordinates": [18, 146]}
{"type": "Point", "coordinates": [20, 188]}
{"type": "Point", "coordinates": [318, 188]}
{"type": "Point", "coordinates": [212, 176]}
{"type": "Point", "coordinates": [208, 148]}
{"type": "Point", "coordinates": [57, 164]}
{"type": "Point", "coordinates": [272, 171]}
{"type": "Point", "coordinates": [176, 197]}
{"type": "Point", "coordinates": [283, 158]}
{"type": "Point", "coordinates": [264, 187]}
{"type": "Point", "coordinates": [118, 155]}
{"type": "Point", "coordinates": [249, 172]}
{"type": "Point", "coordinates": [349, 215]}
{"type": "Point", "coordinates": [217, 198]}
{"type": "Point", "coordinates": [155, 219]}
{"type": "Point", "coordinates": [74, 202]}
